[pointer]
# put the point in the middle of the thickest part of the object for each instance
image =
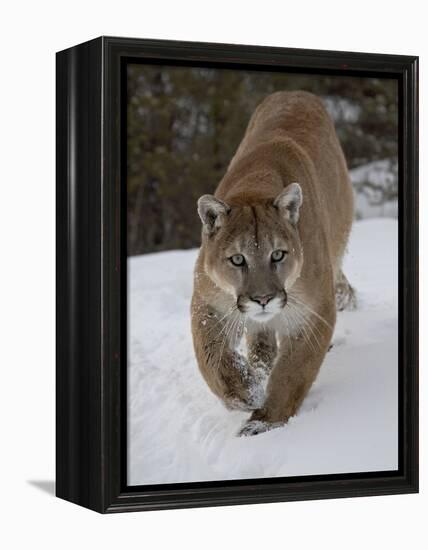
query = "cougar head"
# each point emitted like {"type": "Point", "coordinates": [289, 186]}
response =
{"type": "Point", "coordinates": [253, 251]}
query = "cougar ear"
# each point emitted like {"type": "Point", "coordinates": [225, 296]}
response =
{"type": "Point", "coordinates": [212, 212]}
{"type": "Point", "coordinates": [289, 201]}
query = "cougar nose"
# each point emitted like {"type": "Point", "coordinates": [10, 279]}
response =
{"type": "Point", "coordinates": [262, 300]}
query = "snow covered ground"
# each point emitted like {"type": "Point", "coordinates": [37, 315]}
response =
{"type": "Point", "coordinates": [179, 432]}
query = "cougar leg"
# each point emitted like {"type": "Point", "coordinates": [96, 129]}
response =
{"type": "Point", "coordinates": [262, 350]}
{"type": "Point", "coordinates": [292, 377]}
{"type": "Point", "coordinates": [227, 373]}
{"type": "Point", "coordinates": [345, 294]}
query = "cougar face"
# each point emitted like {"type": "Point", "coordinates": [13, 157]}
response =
{"type": "Point", "coordinates": [253, 252]}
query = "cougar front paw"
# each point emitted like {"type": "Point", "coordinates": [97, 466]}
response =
{"type": "Point", "coordinates": [255, 427]}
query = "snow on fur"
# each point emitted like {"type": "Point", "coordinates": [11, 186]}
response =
{"type": "Point", "coordinates": [179, 431]}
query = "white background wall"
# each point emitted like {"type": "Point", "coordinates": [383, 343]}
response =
{"type": "Point", "coordinates": [30, 34]}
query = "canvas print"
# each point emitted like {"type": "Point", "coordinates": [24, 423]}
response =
{"type": "Point", "coordinates": [262, 273]}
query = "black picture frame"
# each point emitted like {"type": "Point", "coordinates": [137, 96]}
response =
{"type": "Point", "coordinates": [91, 276]}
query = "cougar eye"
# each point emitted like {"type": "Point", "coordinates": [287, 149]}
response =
{"type": "Point", "coordinates": [278, 255]}
{"type": "Point", "coordinates": [238, 260]}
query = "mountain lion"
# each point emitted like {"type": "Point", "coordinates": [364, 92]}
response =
{"type": "Point", "coordinates": [268, 278]}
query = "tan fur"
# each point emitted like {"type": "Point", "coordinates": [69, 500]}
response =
{"type": "Point", "coordinates": [290, 138]}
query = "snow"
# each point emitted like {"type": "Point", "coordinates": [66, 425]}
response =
{"type": "Point", "coordinates": [370, 182]}
{"type": "Point", "coordinates": [342, 110]}
{"type": "Point", "coordinates": [178, 431]}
